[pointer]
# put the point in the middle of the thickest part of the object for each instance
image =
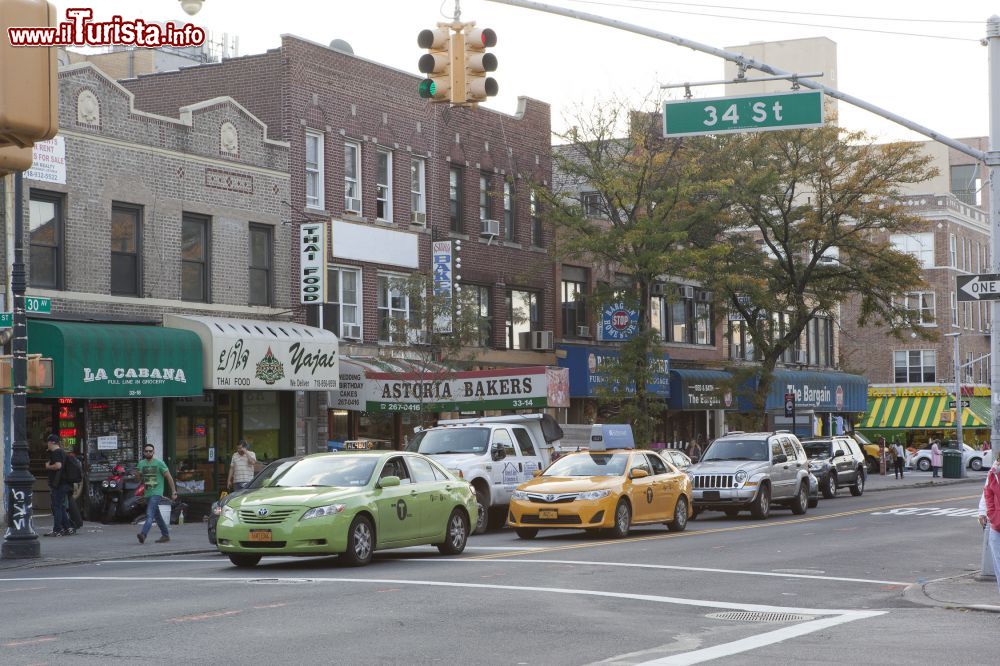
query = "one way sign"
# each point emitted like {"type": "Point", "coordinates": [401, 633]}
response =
{"type": "Point", "coordinates": [979, 287]}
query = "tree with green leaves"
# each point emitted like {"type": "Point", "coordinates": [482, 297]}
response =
{"type": "Point", "coordinates": [807, 225]}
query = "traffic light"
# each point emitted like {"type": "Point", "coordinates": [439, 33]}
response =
{"type": "Point", "coordinates": [436, 64]}
{"type": "Point", "coordinates": [14, 158]}
{"type": "Point", "coordinates": [29, 87]}
{"type": "Point", "coordinates": [478, 86]}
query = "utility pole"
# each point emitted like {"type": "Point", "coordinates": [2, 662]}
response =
{"type": "Point", "coordinates": [991, 157]}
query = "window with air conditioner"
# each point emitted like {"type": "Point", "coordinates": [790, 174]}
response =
{"type": "Point", "coordinates": [314, 170]}
{"type": "Point", "coordinates": [523, 316]}
{"type": "Point", "coordinates": [484, 196]}
{"type": "Point", "coordinates": [352, 178]}
{"type": "Point", "coordinates": [573, 299]}
{"type": "Point", "coordinates": [418, 201]}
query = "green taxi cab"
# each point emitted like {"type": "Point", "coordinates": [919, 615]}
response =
{"type": "Point", "coordinates": [350, 504]}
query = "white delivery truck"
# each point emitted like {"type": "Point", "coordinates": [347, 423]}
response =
{"type": "Point", "coordinates": [493, 453]}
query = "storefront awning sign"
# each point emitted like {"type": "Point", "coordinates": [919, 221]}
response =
{"type": "Point", "coordinates": [443, 281]}
{"type": "Point", "coordinates": [588, 371]}
{"type": "Point", "coordinates": [263, 355]}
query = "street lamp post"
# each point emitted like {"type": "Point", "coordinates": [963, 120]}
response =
{"type": "Point", "coordinates": [958, 399]}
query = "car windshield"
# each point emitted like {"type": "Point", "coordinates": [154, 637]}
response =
{"type": "Point", "coordinates": [450, 440]}
{"type": "Point", "coordinates": [271, 471]}
{"type": "Point", "coordinates": [334, 470]}
{"type": "Point", "coordinates": [589, 464]}
{"type": "Point", "coordinates": [817, 450]}
{"type": "Point", "coordinates": [736, 449]}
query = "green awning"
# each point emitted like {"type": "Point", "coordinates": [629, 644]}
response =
{"type": "Point", "coordinates": [117, 360]}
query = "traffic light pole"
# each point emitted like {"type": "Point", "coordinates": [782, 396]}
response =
{"type": "Point", "coordinates": [20, 540]}
{"type": "Point", "coordinates": [991, 157]}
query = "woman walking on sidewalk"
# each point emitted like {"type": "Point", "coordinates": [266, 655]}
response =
{"type": "Point", "coordinates": [936, 458]}
{"type": "Point", "coordinates": [899, 459]}
{"type": "Point", "coordinates": [991, 493]}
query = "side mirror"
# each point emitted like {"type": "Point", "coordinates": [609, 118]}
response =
{"type": "Point", "coordinates": [638, 473]}
{"type": "Point", "coordinates": [780, 458]}
{"type": "Point", "coordinates": [497, 451]}
{"type": "Point", "coordinates": [838, 453]}
{"type": "Point", "coordinates": [536, 473]}
{"type": "Point", "coordinates": [388, 481]}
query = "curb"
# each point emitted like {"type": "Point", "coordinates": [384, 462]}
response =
{"type": "Point", "coordinates": [923, 484]}
{"type": "Point", "coordinates": [917, 594]}
{"type": "Point", "coordinates": [52, 562]}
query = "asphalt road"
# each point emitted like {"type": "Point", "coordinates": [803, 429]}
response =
{"type": "Point", "coordinates": [830, 582]}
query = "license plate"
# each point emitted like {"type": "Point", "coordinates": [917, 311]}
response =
{"type": "Point", "coordinates": [548, 514]}
{"type": "Point", "coordinates": [260, 535]}
{"type": "Point", "coordinates": [711, 495]}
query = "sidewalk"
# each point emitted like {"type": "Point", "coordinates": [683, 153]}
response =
{"type": "Point", "coordinates": [915, 479]}
{"type": "Point", "coordinates": [965, 592]}
{"type": "Point", "coordinates": [94, 542]}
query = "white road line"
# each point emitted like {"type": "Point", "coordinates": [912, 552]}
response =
{"type": "Point", "coordinates": [669, 566]}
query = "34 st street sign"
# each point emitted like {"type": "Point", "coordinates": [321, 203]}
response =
{"type": "Point", "coordinates": [979, 287]}
{"type": "Point", "coordinates": [751, 113]}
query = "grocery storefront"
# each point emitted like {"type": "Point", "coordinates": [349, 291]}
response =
{"type": "Point", "coordinates": [252, 372]}
{"type": "Point", "coordinates": [913, 415]}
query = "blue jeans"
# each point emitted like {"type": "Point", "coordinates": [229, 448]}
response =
{"type": "Point", "coordinates": [60, 520]}
{"type": "Point", "coordinates": [995, 551]}
{"type": "Point", "coordinates": [153, 513]}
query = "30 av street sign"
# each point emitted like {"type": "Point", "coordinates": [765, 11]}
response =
{"type": "Point", "coordinates": [979, 287]}
{"type": "Point", "coordinates": [38, 304]}
{"type": "Point", "coordinates": [750, 113]}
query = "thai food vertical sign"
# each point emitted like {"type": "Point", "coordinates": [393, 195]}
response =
{"type": "Point", "coordinates": [312, 255]}
{"type": "Point", "coordinates": [443, 286]}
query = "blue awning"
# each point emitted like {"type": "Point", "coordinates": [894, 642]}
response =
{"type": "Point", "coordinates": [819, 391]}
{"type": "Point", "coordinates": [701, 389]}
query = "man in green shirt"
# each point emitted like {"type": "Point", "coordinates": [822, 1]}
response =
{"type": "Point", "coordinates": [153, 474]}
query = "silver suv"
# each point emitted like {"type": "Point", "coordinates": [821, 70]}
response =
{"type": "Point", "coordinates": [751, 471]}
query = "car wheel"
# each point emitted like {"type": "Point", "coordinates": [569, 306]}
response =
{"type": "Point", "coordinates": [830, 487]}
{"type": "Point", "coordinates": [623, 520]}
{"type": "Point", "coordinates": [924, 465]}
{"type": "Point", "coordinates": [360, 543]}
{"type": "Point", "coordinates": [244, 561]}
{"type": "Point", "coordinates": [680, 520]}
{"type": "Point", "coordinates": [483, 515]}
{"type": "Point", "coordinates": [859, 485]}
{"type": "Point", "coordinates": [801, 501]}
{"type": "Point", "coordinates": [732, 513]}
{"type": "Point", "coordinates": [761, 506]}
{"type": "Point", "coordinates": [526, 532]}
{"type": "Point", "coordinates": [976, 464]}
{"type": "Point", "coordinates": [456, 534]}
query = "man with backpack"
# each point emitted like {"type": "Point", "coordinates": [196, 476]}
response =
{"type": "Point", "coordinates": [59, 488]}
{"type": "Point", "coordinates": [73, 475]}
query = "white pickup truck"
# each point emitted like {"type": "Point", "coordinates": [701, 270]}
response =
{"type": "Point", "coordinates": [494, 453]}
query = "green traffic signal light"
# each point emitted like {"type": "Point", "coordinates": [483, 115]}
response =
{"type": "Point", "coordinates": [427, 89]}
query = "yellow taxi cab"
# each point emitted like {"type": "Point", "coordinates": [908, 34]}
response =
{"type": "Point", "coordinates": [603, 489]}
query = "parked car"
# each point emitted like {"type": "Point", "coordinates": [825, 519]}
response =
{"type": "Point", "coordinates": [678, 459]}
{"type": "Point", "coordinates": [258, 481]}
{"type": "Point", "coordinates": [837, 462]}
{"type": "Point", "coordinates": [349, 504]}
{"type": "Point", "coordinates": [871, 451]}
{"type": "Point", "coordinates": [813, 491]}
{"type": "Point", "coordinates": [748, 471]}
{"type": "Point", "coordinates": [971, 458]}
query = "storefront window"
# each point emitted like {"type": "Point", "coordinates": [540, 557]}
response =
{"type": "Point", "coordinates": [261, 423]}
{"type": "Point", "coordinates": [114, 431]}
{"type": "Point", "coordinates": [196, 441]}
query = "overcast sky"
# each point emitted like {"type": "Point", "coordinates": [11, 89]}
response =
{"type": "Point", "coordinates": [940, 83]}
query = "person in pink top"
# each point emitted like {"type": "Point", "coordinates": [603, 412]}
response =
{"type": "Point", "coordinates": [991, 494]}
{"type": "Point", "coordinates": [936, 458]}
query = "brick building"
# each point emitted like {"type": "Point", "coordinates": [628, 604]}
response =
{"type": "Point", "coordinates": [392, 173]}
{"type": "Point", "coordinates": [159, 239]}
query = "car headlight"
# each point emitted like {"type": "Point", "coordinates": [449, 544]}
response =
{"type": "Point", "coordinates": [229, 513]}
{"type": "Point", "coordinates": [740, 477]}
{"type": "Point", "coordinates": [816, 466]}
{"type": "Point", "coordinates": [594, 494]}
{"type": "Point", "coordinates": [216, 509]}
{"type": "Point", "coordinates": [320, 511]}
{"type": "Point", "coordinates": [457, 472]}
{"type": "Point", "coordinates": [519, 495]}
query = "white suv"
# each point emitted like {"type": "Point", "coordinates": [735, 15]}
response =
{"type": "Point", "coordinates": [751, 471]}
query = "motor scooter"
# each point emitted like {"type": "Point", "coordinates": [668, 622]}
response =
{"type": "Point", "coordinates": [123, 496]}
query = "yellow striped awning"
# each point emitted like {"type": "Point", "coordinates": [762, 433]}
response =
{"type": "Point", "coordinates": [917, 413]}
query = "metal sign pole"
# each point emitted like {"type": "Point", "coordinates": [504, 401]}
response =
{"type": "Point", "coordinates": [993, 161]}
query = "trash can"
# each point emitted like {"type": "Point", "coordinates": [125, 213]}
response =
{"type": "Point", "coordinates": [952, 464]}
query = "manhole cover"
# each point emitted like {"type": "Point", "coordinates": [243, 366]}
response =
{"type": "Point", "coordinates": [279, 581]}
{"type": "Point", "coordinates": [758, 616]}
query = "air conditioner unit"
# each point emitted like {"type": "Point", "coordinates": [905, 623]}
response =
{"type": "Point", "coordinates": [583, 331]}
{"type": "Point", "coordinates": [352, 205]}
{"type": "Point", "coordinates": [686, 291]}
{"type": "Point", "coordinates": [704, 297]}
{"type": "Point", "coordinates": [541, 340]}
{"type": "Point", "coordinates": [418, 218]}
{"type": "Point", "coordinates": [802, 357]}
{"type": "Point", "coordinates": [352, 331]}
{"type": "Point", "coordinates": [490, 228]}
{"type": "Point", "coordinates": [657, 289]}
{"type": "Point", "coordinates": [419, 338]}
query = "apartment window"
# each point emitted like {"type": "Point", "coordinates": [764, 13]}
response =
{"type": "Point", "coordinates": [195, 254]}
{"type": "Point", "coordinates": [314, 170]}
{"type": "Point", "coordinates": [508, 211]}
{"type": "Point", "coordinates": [952, 251]}
{"type": "Point", "coordinates": [455, 200]}
{"type": "Point", "coordinates": [383, 186]}
{"type": "Point", "coordinates": [966, 184]}
{"type": "Point", "coordinates": [125, 252]}
{"type": "Point", "coordinates": [523, 316]}
{"type": "Point", "coordinates": [921, 304]}
{"type": "Point", "coordinates": [914, 365]}
{"type": "Point", "coordinates": [574, 291]}
{"type": "Point", "coordinates": [352, 178]}
{"type": "Point", "coordinates": [484, 197]}
{"type": "Point", "coordinates": [954, 310]}
{"type": "Point", "coordinates": [921, 246]}
{"type": "Point", "coordinates": [978, 258]}
{"type": "Point", "coordinates": [261, 251]}
{"type": "Point", "coordinates": [396, 317]}
{"type": "Point", "coordinates": [968, 367]}
{"type": "Point", "coordinates": [477, 298]}
{"type": "Point", "coordinates": [702, 324]}
{"type": "Point", "coordinates": [741, 346]}
{"type": "Point", "coordinates": [342, 314]}
{"type": "Point", "coordinates": [593, 204]}
{"type": "Point", "coordinates": [45, 213]}
{"type": "Point", "coordinates": [819, 341]}
{"type": "Point", "coordinates": [418, 202]}
{"type": "Point", "coordinates": [536, 220]}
